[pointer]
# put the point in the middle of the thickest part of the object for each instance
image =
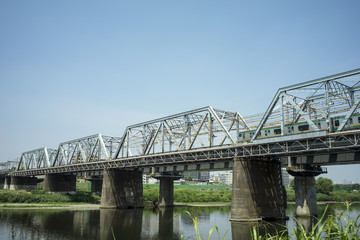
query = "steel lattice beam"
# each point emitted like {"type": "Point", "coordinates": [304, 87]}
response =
{"type": "Point", "coordinates": [200, 128]}
{"type": "Point", "coordinates": [323, 98]}
{"type": "Point", "coordinates": [330, 144]}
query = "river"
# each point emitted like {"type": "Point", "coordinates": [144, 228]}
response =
{"type": "Point", "coordinates": [168, 223]}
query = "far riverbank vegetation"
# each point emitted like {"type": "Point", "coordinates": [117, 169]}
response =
{"type": "Point", "coordinates": [326, 192]}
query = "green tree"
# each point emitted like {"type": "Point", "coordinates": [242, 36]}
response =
{"type": "Point", "coordinates": [356, 186]}
{"type": "Point", "coordinates": [324, 185]}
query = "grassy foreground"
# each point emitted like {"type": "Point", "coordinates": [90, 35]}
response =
{"type": "Point", "coordinates": [337, 226]}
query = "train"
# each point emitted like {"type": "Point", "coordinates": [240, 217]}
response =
{"type": "Point", "coordinates": [301, 127]}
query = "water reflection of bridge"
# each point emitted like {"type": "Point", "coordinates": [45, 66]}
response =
{"type": "Point", "coordinates": [111, 224]}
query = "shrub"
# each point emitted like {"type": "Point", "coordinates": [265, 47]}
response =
{"type": "Point", "coordinates": [83, 197]}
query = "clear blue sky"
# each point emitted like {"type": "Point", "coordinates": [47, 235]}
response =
{"type": "Point", "coordinates": [69, 69]}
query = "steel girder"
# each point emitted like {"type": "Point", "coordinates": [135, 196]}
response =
{"type": "Point", "coordinates": [323, 98]}
{"type": "Point", "coordinates": [7, 167]}
{"type": "Point", "coordinates": [334, 143]}
{"type": "Point", "coordinates": [38, 158]}
{"type": "Point", "coordinates": [200, 128]}
{"type": "Point", "coordinates": [87, 149]}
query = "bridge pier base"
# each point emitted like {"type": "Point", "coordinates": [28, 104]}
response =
{"type": "Point", "coordinates": [60, 183]}
{"type": "Point", "coordinates": [96, 185]}
{"type": "Point", "coordinates": [2, 182]}
{"type": "Point", "coordinates": [23, 183]}
{"type": "Point", "coordinates": [305, 188]}
{"type": "Point", "coordinates": [122, 189]}
{"type": "Point", "coordinates": [166, 191]}
{"type": "Point", "coordinates": [7, 182]}
{"type": "Point", "coordinates": [257, 192]}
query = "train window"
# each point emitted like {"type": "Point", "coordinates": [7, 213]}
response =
{"type": "Point", "coordinates": [350, 121]}
{"type": "Point", "coordinates": [277, 131]}
{"type": "Point", "coordinates": [303, 127]}
{"type": "Point", "coordinates": [337, 123]}
{"type": "Point", "coordinates": [358, 119]}
{"type": "Point", "coordinates": [240, 135]}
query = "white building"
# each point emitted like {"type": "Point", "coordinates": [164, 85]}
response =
{"type": "Point", "coordinates": [226, 177]}
{"type": "Point", "coordinates": [147, 179]}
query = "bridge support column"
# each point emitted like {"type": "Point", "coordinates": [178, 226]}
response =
{"type": "Point", "coordinates": [166, 191]}
{"type": "Point", "coordinates": [60, 183]}
{"type": "Point", "coordinates": [257, 191]}
{"type": "Point", "coordinates": [122, 189]}
{"type": "Point", "coordinates": [2, 182]}
{"type": "Point", "coordinates": [305, 196]}
{"type": "Point", "coordinates": [7, 182]}
{"type": "Point", "coordinates": [96, 186]}
{"type": "Point", "coordinates": [23, 183]}
{"type": "Point", "coordinates": [305, 188]}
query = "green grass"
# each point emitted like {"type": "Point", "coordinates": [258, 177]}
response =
{"type": "Point", "coordinates": [191, 193]}
{"type": "Point", "coordinates": [40, 196]}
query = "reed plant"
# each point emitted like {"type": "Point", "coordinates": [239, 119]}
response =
{"type": "Point", "coordinates": [195, 221]}
{"type": "Point", "coordinates": [337, 226]}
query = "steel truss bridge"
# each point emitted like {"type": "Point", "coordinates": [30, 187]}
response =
{"type": "Point", "coordinates": [210, 135]}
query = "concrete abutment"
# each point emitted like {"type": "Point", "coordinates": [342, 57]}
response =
{"type": "Point", "coordinates": [60, 183]}
{"type": "Point", "coordinates": [122, 189]}
{"type": "Point", "coordinates": [258, 193]}
{"type": "Point", "coordinates": [22, 183]}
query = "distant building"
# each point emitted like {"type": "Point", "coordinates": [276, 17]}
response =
{"type": "Point", "coordinates": [285, 177]}
{"type": "Point", "coordinates": [226, 177]}
{"type": "Point", "coordinates": [147, 179]}
{"type": "Point", "coordinates": [197, 176]}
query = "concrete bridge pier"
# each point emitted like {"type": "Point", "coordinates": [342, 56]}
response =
{"type": "Point", "coordinates": [166, 191]}
{"type": "Point", "coordinates": [60, 183]}
{"type": "Point", "coordinates": [2, 182]}
{"type": "Point", "coordinates": [7, 182]}
{"type": "Point", "coordinates": [257, 193]}
{"type": "Point", "coordinates": [23, 183]}
{"type": "Point", "coordinates": [122, 189]}
{"type": "Point", "coordinates": [96, 185]}
{"type": "Point", "coordinates": [305, 188]}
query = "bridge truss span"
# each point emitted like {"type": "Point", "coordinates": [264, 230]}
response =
{"type": "Point", "coordinates": [83, 150]}
{"type": "Point", "coordinates": [201, 128]}
{"type": "Point", "coordinates": [315, 119]}
{"type": "Point", "coordinates": [321, 149]}
{"type": "Point", "coordinates": [329, 103]}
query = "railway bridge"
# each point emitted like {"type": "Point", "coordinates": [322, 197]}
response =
{"type": "Point", "coordinates": [306, 126]}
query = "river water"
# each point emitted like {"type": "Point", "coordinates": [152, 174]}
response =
{"type": "Point", "coordinates": [169, 223]}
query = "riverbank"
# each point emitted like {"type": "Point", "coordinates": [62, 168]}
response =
{"type": "Point", "coordinates": [89, 206]}
{"type": "Point", "coordinates": [64, 206]}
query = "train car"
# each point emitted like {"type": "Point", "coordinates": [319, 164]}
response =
{"type": "Point", "coordinates": [302, 127]}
